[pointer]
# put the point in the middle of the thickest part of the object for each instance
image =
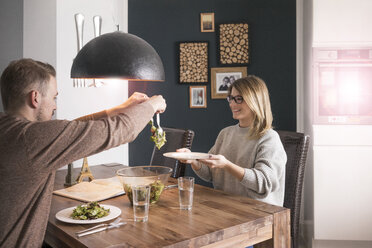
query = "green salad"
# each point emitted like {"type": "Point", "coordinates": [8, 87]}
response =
{"type": "Point", "coordinates": [155, 191]}
{"type": "Point", "coordinates": [157, 137]}
{"type": "Point", "coordinates": [89, 211]}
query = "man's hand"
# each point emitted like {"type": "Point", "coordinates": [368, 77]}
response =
{"type": "Point", "coordinates": [158, 103]}
{"type": "Point", "coordinates": [136, 98]}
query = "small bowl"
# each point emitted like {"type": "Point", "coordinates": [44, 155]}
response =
{"type": "Point", "coordinates": [156, 176]}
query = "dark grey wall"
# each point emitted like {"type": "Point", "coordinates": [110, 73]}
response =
{"type": "Point", "coordinates": [272, 37]}
{"type": "Point", "coordinates": [11, 33]}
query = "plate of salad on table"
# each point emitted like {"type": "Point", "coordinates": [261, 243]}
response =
{"type": "Point", "coordinates": [89, 213]}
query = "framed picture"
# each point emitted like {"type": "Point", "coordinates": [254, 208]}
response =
{"type": "Point", "coordinates": [207, 22]}
{"type": "Point", "coordinates": [223, 77]}
{"type": "Point", "coordinates": [233, 44]}
{"type": "Point", "coordinates": [193, 61]}
{"type": "Point", "coordinates": [198, 96]}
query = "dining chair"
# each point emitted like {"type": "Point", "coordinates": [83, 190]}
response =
{"type": "Point", "coordinates": [176, 138]}
{"type": "Point", "coordinates": [296, 146]}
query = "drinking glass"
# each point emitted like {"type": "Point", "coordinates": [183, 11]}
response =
{"type": "Point", "coordinates": [186, 192]}
{"type": "Point", "coordinates": [141, 202]}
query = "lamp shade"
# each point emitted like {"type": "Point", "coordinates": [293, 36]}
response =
{"type": "Point", "coordinates": [118, 55]}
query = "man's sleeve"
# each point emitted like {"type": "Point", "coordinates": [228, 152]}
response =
{"type": "Point", "coordinates": [92, 117]}
{"type": "Point", "coordinates": [52, 144]}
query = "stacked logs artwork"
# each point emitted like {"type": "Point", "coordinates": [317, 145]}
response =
{"type": "Point", "coordinates": [193, 62]}
{"type": "Point", "coordinates": [234, 43]}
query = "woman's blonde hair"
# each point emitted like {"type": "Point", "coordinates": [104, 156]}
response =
{"type": "Point", "coordinates": [254, 92]}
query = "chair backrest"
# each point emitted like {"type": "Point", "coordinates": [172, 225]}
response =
{"type": "Point", "coordinates": [296, 146]}
{"type": "Point", "coordinates": [176, 138]}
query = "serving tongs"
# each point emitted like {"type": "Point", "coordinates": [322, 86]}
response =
{"type": "Point", "coordinates": [160, 130]}
{"type": "Point", "coordinates": [100, 228]}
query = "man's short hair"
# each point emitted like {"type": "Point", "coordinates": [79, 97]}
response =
{"type": "Point", "coordinates": [22, 76]}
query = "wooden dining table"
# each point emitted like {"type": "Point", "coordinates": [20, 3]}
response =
{"type": "Point", "coordinates": [217, 219]}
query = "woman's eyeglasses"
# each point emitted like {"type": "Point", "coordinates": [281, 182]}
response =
{"type": "Point", "coordinates": [237, 99]}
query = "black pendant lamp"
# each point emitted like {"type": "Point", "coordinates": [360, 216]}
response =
{"type": "Point", "coordinates": [118, 55]}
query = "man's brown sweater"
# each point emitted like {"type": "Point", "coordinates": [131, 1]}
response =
{"type": "Point", "coordinates": [31, 152]}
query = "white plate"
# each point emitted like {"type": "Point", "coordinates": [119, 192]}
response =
{"type": "Point", "coordinates": [64, 215]}
{"type": "Point", "coordinates": [186, 155]}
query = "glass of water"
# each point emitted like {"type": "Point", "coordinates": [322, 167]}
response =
{"type": "Point", "coordinates": [141, 202]}
{"type": "Point", "coordinates": [186, 192]}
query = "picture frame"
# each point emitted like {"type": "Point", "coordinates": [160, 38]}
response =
{"type": "Point", "coordinates": [198, 96]}
{"type": "Point", "coordinates": [222, 77]}
{"type": "Point", "coordinates": [193, 62]}
{"type": "Point", "coordinates": [207, 22]}
{"type": "Point", "coordinates": [233, 44]}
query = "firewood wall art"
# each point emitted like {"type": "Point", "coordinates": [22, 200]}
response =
{"type": "Point", "coordinates": [233, 44]}
{"type": "Point", "coordinates": [193, 61]}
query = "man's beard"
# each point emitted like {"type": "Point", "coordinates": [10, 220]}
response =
{"type": "Point", "coordinates": [40, 116]}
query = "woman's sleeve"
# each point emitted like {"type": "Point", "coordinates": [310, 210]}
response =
{"type": "Point", "coordinates": [269, 167]}
{"type": "Point", "coordinates": [205, 172]}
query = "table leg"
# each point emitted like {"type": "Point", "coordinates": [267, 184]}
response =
{"type": "Point", "coordinates": [281, 231]}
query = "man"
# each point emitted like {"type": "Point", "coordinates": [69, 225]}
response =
{"type": "Point", "coordinates": [33, 147]}
{"type": "Point", "coordinates": [225, 84]}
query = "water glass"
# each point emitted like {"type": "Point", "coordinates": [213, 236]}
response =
{"type": "Point", "coordinates": [186, 192]}
{"type": "Point", "coordinates": [141, 202]}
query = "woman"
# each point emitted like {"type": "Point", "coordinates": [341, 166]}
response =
{"type": "Point", "coordinates": [247, 159]}
{"type": "Point", "coordinates": [231, 80]}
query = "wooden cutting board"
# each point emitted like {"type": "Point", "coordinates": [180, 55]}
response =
{"type": "Point", "coordinates": [96, 190]}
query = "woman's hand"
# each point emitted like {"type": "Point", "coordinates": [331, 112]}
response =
{"type": "Point", "coordinates": [219, 161]}
{"type": "Point", "coordinates": [194, 163]}
{"type": "Point", "coordinates": [216, 161]}
{"type": "Point", "coordinates": [185, 150]}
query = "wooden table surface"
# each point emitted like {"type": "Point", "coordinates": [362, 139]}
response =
{"type": "Point", "coordinates": [216, 220]}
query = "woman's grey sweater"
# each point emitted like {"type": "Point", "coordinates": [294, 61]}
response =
{"type": "Point", "coordinates": [264, 161]}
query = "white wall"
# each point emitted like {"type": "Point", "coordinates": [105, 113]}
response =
{"type": "Point", "coordinates": [50, 36]}
{"type": "Point", "coordinates": [342, 22]}
{"type": "Point", "coordinates": [39, 30]}
{"type": "Point", "coordinates": [326, 23]}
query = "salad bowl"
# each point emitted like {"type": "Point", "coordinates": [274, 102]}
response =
{"type": "Point", "coordinates": [155, 176]}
